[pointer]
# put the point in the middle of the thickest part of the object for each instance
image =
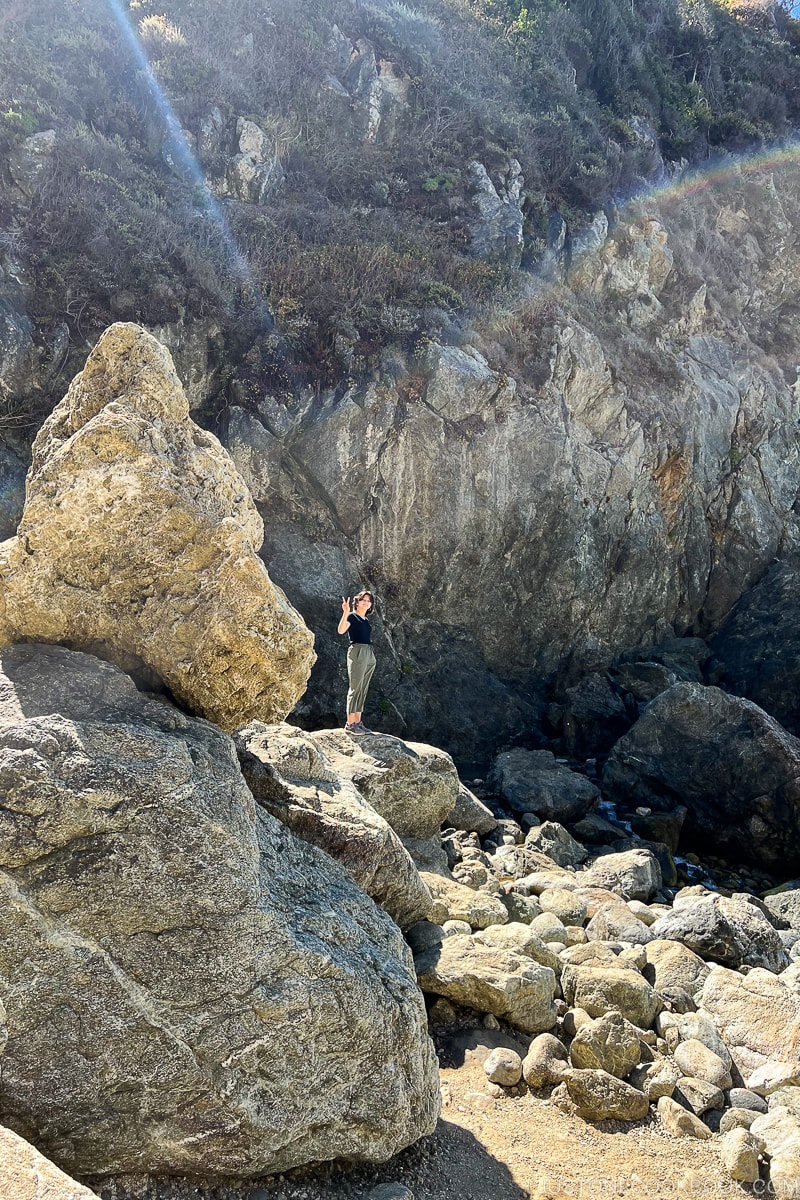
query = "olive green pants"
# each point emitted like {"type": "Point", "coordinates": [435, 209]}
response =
{"type": "Point", "coordinates": [360, 665]}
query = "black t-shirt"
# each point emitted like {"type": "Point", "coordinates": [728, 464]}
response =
{"type": "Point", "coordinates": [359, 630]}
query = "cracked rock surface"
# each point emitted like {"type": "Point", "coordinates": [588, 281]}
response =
{"type": "Point", "coordinates": [128, 505]}
{"type": "Point", "coordinates": [188, 988]}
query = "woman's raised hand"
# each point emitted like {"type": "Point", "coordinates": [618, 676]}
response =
{"type": "Point", "coordinates": [345, 604]}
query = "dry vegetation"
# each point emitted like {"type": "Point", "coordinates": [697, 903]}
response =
{"type": "Point", "coordinates": [365, 245]}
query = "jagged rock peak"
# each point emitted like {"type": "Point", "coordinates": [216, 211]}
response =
{"type": "Point", "coordinates": [139, 542]}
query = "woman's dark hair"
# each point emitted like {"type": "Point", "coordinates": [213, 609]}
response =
{"type": "Point", "coordinates": [361, 596]}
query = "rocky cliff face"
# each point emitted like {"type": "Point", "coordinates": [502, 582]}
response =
{"type": "Point", "coordinates": [615, 454]}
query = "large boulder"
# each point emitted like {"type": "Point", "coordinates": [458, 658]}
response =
{"type": "Point", "coordinates": [727, 930]}
{"type": "Point", "coordinates": [411, 785]}
{"type": "Point", "coordinates": [291, 777]}
{"type": "Point", "coordinates": [454, 901]}
{"type": "Point", "coordinates": [600, 988]}
{"type": "Point", "coordinates": [757, 1016]}
{"type": "Point", "coordinates": [129, 504]}
{"type": "Point", "coordinates": [534, 781]}
{"type": "Point", "coordinates": [189, 989]}
{"type": "Point", "coordinates": [733, 766]}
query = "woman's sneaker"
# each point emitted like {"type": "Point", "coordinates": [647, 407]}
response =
{"type": "Point", "coordinates": [355, 727]}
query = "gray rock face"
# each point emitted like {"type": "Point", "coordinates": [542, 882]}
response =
{"type": "Point", "coordinates": [497, 231]}
{"type": "Point", "coordinates": [290, 776]}
{"type": "Point", "coordinates": [609, 1043]}
{"type": "Point", "coordinates": [759, 645]}
{"type": "Point", "coordinates": [236, 1004]}
{"type": "Point", "coordinates": [733, 766]}
{"type": "Point", "coordinates": [728, 931]}
{"type": "Point", "coordinates": [533, 781]}
{"type": "Point", "coordinates": [470, 813]}
{"type": "Point", "coordinates": [632, 874]}
{"type": "Point", "coordinates": [29, 161]}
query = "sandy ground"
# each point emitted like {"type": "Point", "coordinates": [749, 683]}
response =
{"type": "Point", "coordinates": [514, 1148]}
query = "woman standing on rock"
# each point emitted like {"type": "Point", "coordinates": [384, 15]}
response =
{"type": "Point", "coordinates": [360, 656]}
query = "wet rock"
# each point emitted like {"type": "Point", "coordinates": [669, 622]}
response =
{"type": "Point", "coordinates": [533, 781]}
{"type": "Point", "coordinates": [734, 768]}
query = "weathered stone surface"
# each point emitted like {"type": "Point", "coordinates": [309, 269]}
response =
{"type": "Point", "coordinates": [236, 1004]}
{"type": "Point", "coordinates": [12, 470]}
{"type": "Point", "coordinates": [734, 767]}
{"type": "Point", "coordinates": [470, 813]}
{"type": "Point", "coordinates": [609, 1043]}
{"type": "Point", "coordinates": [532, 781]}
{"type": "Point", "coordinates": [727, 930]}
{"type": "Point", "coordinates": [545, 1062]}
{"type": "Point", "coordinates": [614, 922]}
{"type": "Point", "coordinates": [460, 903]}
{"type": "Point", "coordinates": [698, 1026]}
{"type": "Point", "coordinates": [738, 1152]}
{"type": "Point", "coordinates": [633, 874]}
{"type": "Point", "coordinates": [678, 1121]}
{"type": "Point", "coordinates": [655, 1079]}
{"type": "Point", "coordinates": [568, 906]}
{"type": "Point", "coordinates": [778, 1135]}
{"type": "Point", "coordinates": [557, 843]}
{"type": "Point", "coordinates": [411, 785]}
{"type": "Point", "coordinates": [503, 1066]}
{"type": "Point", "coordinates": [737, 1118]}
{"type": "Point", "coordinates": [698, 1062]}
{"type": "Point", "coordinates": [594, 716]}
{"type": "Point", "coordinates": [606, 988]}
{"type": "Point", "coordinates": [675, 971]}
{"type": "Point", "coordinates": [128, 502]}
{"type": "Point", "coordinates": [497, 228]}
{"type": "Point", "coordinates": [519, 939]}
{"type": "Point", "coordinates": [757, 1016]}
{"type": "Point", "coordinates": [255, 174]}
{"type": "Point", "coordinates": [785, 908]}
{"type": "Point", "coordinates": [508, 985]}
{"type": "Point", "coordinates": [548, 927]}
{"type": "Point", "coordinates": [290, 776]}
{"type": "Point", "coordinates": [698, 1095]}
{"type": "Point", "coordinates": [783, 1097]}
{"type": "Point", "coordinates": [25, 1174]}
{"type": "Point", "coordinates": [599, 1096]}
{"type": "Point", "coordinates": [28, 162]}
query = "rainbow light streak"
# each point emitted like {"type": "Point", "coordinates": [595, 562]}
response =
{"type": "Point", "coordinates": [731, 170]}
{"type": "Point", "coordinates": [185, 162]}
